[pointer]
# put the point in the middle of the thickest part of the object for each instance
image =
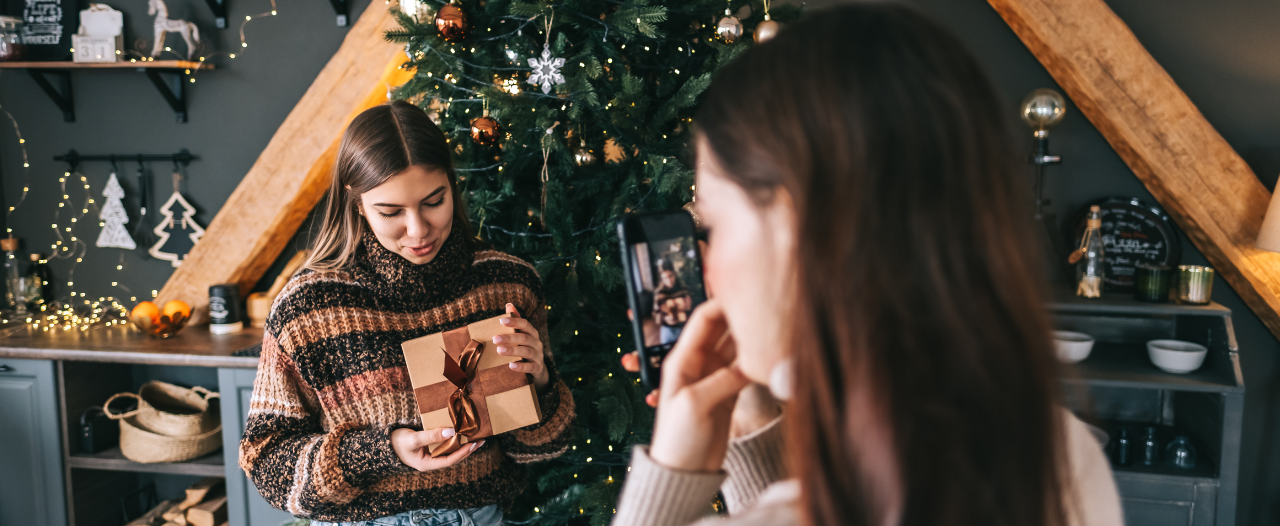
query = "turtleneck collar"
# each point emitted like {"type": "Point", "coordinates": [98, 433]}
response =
{"type": "Point", "coordinates": [391, 273]}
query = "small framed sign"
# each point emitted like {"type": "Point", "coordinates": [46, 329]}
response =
{"type": "Point", "coordinates": [1133, 232]}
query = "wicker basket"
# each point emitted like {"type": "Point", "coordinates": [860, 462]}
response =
{"type": "Point", "coordinates": [171, 424]}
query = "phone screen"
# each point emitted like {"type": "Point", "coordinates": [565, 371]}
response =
{"type": "Point", "coordinates": [664, 281]}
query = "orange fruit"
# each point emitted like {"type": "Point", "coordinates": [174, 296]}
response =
{"type": "Point", "coordinates": [147, 310]}
{"type": "Point", "coordinates": [174, 307]}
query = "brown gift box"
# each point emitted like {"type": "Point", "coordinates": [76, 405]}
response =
{"type": "Point", "coordinates": [504, 399]}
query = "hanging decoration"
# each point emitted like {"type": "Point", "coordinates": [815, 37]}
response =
{"type": "Point", "coordinates": [163, 25]}
{"type": "Point", "coordinates": [114, 217]}
{"type": "Point", "coordinates": [485, 129]}
{"type": "Point", "coordinates": [546, 71]}
{"type": "Point", "coordinates": [729, 28]}
{"type": "Point", "coordinates": [178, 232]}
{"type": "Point", "coordinates": [141, 233]}
{"type": "Point", "coordinates": [767, 28]}
{"type": "Point", "coordinates": [451, 23]}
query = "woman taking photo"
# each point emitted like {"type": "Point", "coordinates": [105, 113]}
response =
{"type": "Point", "coordinates": [873, 265]}
{"type": "Point", "coordinates": [334, 433]}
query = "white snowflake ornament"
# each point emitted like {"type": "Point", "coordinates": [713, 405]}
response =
{"type": "Point", "coordinates": [546, 71]}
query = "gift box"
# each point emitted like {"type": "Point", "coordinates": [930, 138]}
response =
{"type": "Point", "coordinates": [460, 381]}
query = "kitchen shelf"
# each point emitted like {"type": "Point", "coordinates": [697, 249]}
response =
{"type": "Point", "coordinates": [1127, 365]}
{"type": "Point", "coordinates": [170, 77]}
{"type": "Point", "coordinates": [210, 465]}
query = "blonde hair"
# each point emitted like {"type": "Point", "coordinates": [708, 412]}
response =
{"type": "Point", "coordinates": [381, 142]}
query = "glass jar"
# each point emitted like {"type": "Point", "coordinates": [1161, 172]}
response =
{"type": "Point", "coordinates": [11, 46]}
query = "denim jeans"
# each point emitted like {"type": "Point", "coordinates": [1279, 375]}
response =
{"type": "Point", "coordinates": [487, 516]}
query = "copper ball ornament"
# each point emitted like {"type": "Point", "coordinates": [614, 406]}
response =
{"type": "Point", "coordinates": [451, 23]}
{"type": "Point", "coordinates": [765, 30]}
{"type": "Point", "coordinates": [728, 29]}
{"type": "Point", "coordinates": [583, 157]}
{"type": "Point", "coordinates": [484, 131]}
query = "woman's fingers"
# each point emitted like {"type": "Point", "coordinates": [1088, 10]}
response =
{"type": "Point", "coordinates": [452, 458]}
{"type": "Point", "coordinates": [631, 361]}
{"type": "Point", "coordinates": [652, 398]}
{"type": "Point", "coordinates": [526, 367]}
{"type": "Point", "coordinates": [512, 340]}
{"type": "Point", "coordinates": [696, 354]}
{"type": "Point", "coordinates": [519, 324]}
{"type": "Point", "coordinates": [717, 388]}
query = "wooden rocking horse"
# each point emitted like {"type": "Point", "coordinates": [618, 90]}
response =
{"type": "Point", "coordinates": [190, 33]}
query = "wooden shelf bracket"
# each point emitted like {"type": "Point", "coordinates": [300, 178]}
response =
{"type": "Point", "coordinates": [61, 94]}
{"type": "Point", "coordinates": [341, 8]}
{"type": "Point", "coordinates": [172, 88]}
{"type": "Point", "coordinates": [219, 8]}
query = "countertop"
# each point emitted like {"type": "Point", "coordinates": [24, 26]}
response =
{"type": "Point", "coordinates": [194, 346]}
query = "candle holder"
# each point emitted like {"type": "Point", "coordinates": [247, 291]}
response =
{"type": "Point", "coordinates": [1151, 283]}
{"type": "Point", "coordinates": [1195, 284]}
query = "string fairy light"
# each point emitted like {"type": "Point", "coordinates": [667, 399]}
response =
{"type": "Point", "coordinates": [136, 55]}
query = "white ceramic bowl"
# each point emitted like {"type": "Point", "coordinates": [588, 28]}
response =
{"type": "Point", "coordinates": [1176, 356]}
{"type": "Point", "coordinates": [1072, 346]}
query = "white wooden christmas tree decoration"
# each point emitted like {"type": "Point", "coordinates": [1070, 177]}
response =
{"type": "Point", "coordinates": [190, 33]}
{"type": "Point", "coordinates": [114, 218]}
{"type": "Point", "coordinates": [178, 232]}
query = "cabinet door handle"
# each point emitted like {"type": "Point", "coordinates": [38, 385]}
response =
{"type": "Point", "coordinates": [5, 369]}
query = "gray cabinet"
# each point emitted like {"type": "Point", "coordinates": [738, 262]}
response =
{"type": "Point", "coordinates": [32, 489]}
{"type": "Point", "coordinates": [1117, 387]}
{"type": "Point", "coordinates": [245, 507]}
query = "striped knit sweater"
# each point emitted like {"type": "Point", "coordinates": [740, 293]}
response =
{"type": "Point", "coordinates": [332, 385]}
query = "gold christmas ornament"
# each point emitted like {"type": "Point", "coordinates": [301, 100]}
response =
{"type": "Point", "coordinates": [451, 23]}
{"type": "Point", "coordinates": [729, 28]}
{"type": "Point", "coordinates": [583, 157]}
{"type": "Point", "coordinates": [765, 30]}
{"type": "Point", "coordinates": [484, 131]}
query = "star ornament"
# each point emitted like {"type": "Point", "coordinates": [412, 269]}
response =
{"type": "Point", "coordinates": [546, 71]}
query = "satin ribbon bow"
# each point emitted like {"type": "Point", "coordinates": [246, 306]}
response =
{"type": "Point", "coordinates": [462, 411]}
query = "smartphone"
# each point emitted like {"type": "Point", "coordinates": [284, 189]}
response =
{"type": "Point", "coordinates": [663, 269]}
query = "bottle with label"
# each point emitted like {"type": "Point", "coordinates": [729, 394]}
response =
{"type": "Point", "coordinates": [1088, 257]}
{"type": "Point", "coordinates": [38, 272]}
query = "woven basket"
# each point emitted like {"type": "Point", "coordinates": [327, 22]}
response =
{"type": "Point", "coordinates": [171, 424]}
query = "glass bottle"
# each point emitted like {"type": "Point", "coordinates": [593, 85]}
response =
{"type": "Point", "coordinates": [1124, 449]}
{"type": "Point", "coordinates": [39, 273]}
{"type": "Point", "coordinates": [1089, 269]}
{"type": "Point", "coordinates": [1180, 453]}
{"type": "Point", "coordinates": [12, 278]}
{"type": "Point", "coordinates": [1150, 448]}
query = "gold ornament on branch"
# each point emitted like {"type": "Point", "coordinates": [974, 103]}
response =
{"type": "Point", "coordinates": [729, 28]}
{"type": "Point", "coordinates": [485, 129]}
{"type": "Point", "coordinates": [451, 23]}
{"type": "Point", "coordinates": [766, 29]}
{"type": "Point", "coordinates": [583, 157]}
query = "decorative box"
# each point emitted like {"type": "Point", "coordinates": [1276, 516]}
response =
{"type": "Point", "coordinates": [460, 381]}
{"type": "Point", "coordinates": [101, 36]}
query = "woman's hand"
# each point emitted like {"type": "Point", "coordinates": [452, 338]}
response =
{"type": "Point", "coordinates": [411, 447]}
{"type": "Point", "coordinates": [525, 344]}
{"type": "Point", "coordinates": [755, 408]}
{"type": "Point", "coordinates": [699, 387]}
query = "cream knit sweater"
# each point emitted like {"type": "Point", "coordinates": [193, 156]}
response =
{"type": "Point", "coordinates": [757, 495]}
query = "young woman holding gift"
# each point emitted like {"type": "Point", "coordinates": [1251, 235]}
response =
{"type": "Point", "coordinates": [871, 264]}
{"type": "Point", "coordinates": [333, 432]}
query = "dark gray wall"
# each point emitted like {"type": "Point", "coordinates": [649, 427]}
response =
{"type": "Point", "coordinates": [1221, 53]}
{"type": "Point", "coordinates": [233, 112]}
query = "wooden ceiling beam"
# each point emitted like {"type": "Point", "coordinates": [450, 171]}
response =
{"type": "Point", "coordinates": [293, 172]}
{"type": "Point", "coordinates": [1189, 168]}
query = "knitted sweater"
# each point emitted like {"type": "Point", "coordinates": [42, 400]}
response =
{"type": "Point", "coordinates": [332, 385]}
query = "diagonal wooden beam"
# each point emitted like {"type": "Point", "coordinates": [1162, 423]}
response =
{"type": "Point", "coordinates": [1189, 168]}
{"type": "Point", "coordinates": [292, 173]}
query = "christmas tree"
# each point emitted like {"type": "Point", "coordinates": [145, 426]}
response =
{"type": "Point", "coordinates": [114, 218]}
{"type": "Point", "coordinates": [565, 115]}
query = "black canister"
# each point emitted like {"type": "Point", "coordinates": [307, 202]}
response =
{"type": "Point", "coordinates": [224, 309]}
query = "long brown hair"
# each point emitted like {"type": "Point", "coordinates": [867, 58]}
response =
{"type": "Point", "coordinates": [380, 142]}
{"type": "Point", "coordinates": [919, 314]}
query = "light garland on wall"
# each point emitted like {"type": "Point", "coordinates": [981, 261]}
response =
{"type": "Point", "coordinates": [138, 56]}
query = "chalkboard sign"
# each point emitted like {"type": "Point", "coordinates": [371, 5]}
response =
{"type": "Point", "coordinates": [1133, 232]}
{"type": "Point", "coordinates": [47, 28]}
